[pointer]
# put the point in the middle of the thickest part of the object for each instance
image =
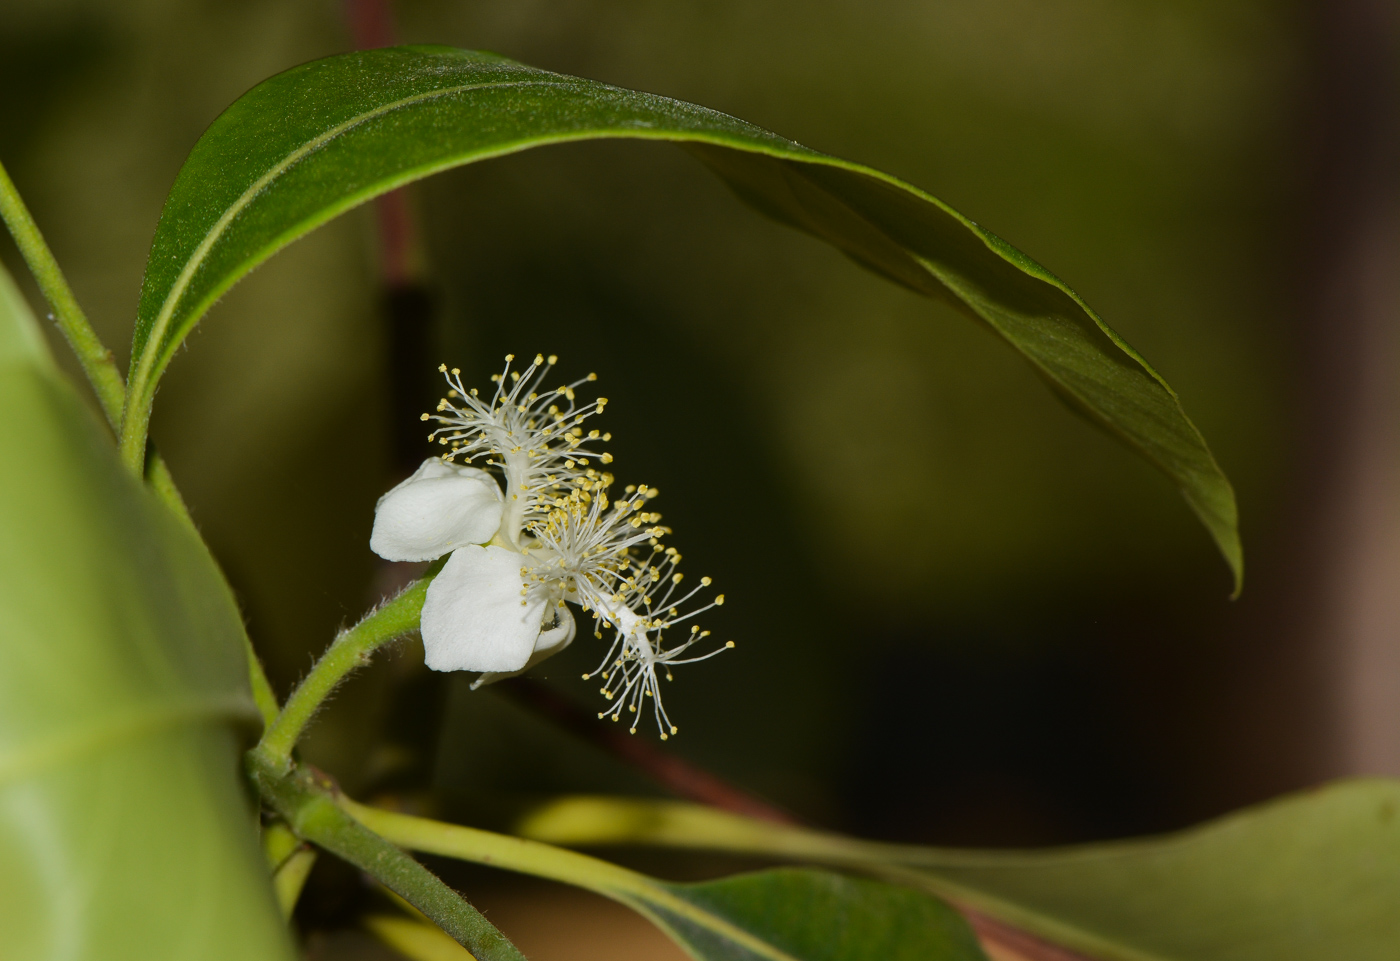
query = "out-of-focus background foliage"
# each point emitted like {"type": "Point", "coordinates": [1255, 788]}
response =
{"type": "Point", "coordinates": [962, 615]}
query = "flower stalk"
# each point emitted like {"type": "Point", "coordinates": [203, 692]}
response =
{"type": "Point", "coordinates": [349, 651]}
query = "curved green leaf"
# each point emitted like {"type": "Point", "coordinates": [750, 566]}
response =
{"type": "Point", "coordinates": [779, 915]}
{"type": "Point", "coordinates": [124, 831]}
{"type": "Point", "coordinates": [310, 143]}
{"type": "Point", "coordinates": [1311, 877]}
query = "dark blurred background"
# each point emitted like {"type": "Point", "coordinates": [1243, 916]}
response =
{"type": "Point", "coordinates": [963, 616]}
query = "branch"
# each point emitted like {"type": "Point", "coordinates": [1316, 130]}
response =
{"type": "Point", "coordinates": [309, 805]}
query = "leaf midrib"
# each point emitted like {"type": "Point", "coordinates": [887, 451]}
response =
{"type": "Point", "coordinates": [211, 237]}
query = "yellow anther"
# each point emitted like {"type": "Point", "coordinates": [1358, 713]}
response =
{"type": "Point", "coordinates": [539, 359]}
{"type": "Point", "coordinates": [424, 417]}
{"type": "Point", "coordinates": [509, 358]}
{"type": "Point", "coordinates": [720, 600]}
{"type": "Point", "coordinates": [553, 359]}
{"type": "Point", "coordinates": [456, 371]}
{"type": "Point", "coordinates": [728, 643]}
{"type": "Point", "coordinates": [442, 368]}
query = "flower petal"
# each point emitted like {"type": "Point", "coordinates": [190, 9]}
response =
{"type": "Point", "coordinates": [440, 508]}
{"type": "Point", "coordinates": [551, 641]}
{"type": "Point", "coordinates": [478, 616]}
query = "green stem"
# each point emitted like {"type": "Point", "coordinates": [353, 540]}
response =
{"type": "Point", "coordinates": [96, 359]}
{"type": "Point", "coordinates": [163, 485]}
{"type": "Point", "coordinates": [652, 898]}
{"type": "Point", "coordinates": [131, 437]}
{"type": "Point", "coordinates": [101, 371]}
{"type": "Point", "coordinates": [503, 851]}
{"type": "Point", "coordinates": [350, 650]}
{"type": "Point", "coordinates": [278, 843]}
{"type": "Point", "coordinates": [311, 810]}
{"type": "Point", "coordinates": [263, 695]}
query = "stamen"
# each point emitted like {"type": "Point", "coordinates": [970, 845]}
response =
{"type": "Point", "coordinates": [585, 548]}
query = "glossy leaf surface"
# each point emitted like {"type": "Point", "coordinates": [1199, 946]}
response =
{"type": "Point", "coordinates": [124, 830]}
{"type": "Point", "coordinates": [1311, 877]}
{"type": "Point", "coordinates": [310, 143]}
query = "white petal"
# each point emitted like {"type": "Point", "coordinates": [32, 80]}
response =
{"type": "Point", "coordinates": [440, 508]}
{"type": "Point", "coordinates": [551, 641]}
{"type": "Point", "coordinates": [475, 617]}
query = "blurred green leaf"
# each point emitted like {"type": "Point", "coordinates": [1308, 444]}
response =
{"type": "Point", "coordinates": [124, 830]}
{"type": "Point", "coordinates": [795, 914]}
{"type": "Point", "coordinates": [310, 143]}
{"type": "Point", "coordinates": [418, 940]}
{"type": "Point", "coordinates": [1309, 877]}
{"type": "Point", "coordinates": [807, 915]}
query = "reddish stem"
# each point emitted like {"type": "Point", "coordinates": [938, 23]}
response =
{"type": "Point", "coordinates": [680, 777]}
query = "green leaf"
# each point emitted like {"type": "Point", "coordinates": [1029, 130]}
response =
{"type": "Point", "coordinates": [310, 143]}
{"type": "Point", "coordinates": [1309, 877]}
{"type": "Point", "coordinates": [780, 915]}
{"type": "Point", "coordinates": [816, 916]}
{"type": "Point", "coordinates": [417, 940]}
{"type": "Point", "coordinates": [124, 830]}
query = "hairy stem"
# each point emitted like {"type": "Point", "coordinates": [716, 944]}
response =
{"type": "Point", "coordinates": [350, 650]}
{"type": "Point", "coordinates": [102, 373]}
{"type": "Point", "coordinates": [96, 359]}
{"type": "Point", "coordinates": [310, 809]}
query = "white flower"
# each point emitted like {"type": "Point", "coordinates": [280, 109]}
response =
{"type": "Point", "coordinates": [498, 605]}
